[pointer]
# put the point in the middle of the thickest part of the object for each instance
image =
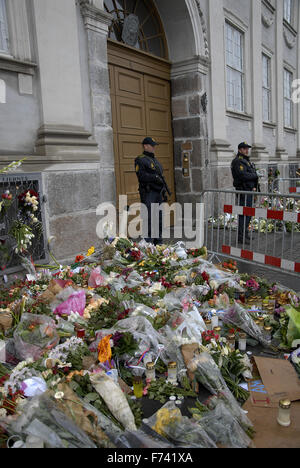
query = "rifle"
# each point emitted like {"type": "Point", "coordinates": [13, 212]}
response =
{"type": "Point", "coordinates": [160, 174]}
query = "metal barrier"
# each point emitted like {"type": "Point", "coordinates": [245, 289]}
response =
{"type": "Point", "coordinates": [18, 184]}
{"type": "Point", "coordinates": [271, 222]}
{"type": "Point", "coordinates": [286, 185]}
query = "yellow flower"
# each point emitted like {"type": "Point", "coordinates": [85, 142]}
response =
{"type": "Point", "coordinates": [91, 251]}
{"type": "Point", "coordinates": [166, 418]}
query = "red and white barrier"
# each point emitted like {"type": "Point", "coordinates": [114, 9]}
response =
{"type": "Point", "coordinates": [295, 190]}
{"type": "Point", "coordinates": [277, 215]}
{"type": "Point", "coordinates": [261, 258]}
{"type": "Point", "coordinates": [264, 213]}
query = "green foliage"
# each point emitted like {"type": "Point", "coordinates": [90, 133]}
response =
{"type": "Point", "coordinates": [161, 390]}
{"type": "Point", "coordinates": [126, 345]}
{"type": "Point", "coordinates": [76, 357]}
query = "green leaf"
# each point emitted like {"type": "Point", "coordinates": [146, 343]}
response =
{"type": "Point", "coordinates": [91, 397]}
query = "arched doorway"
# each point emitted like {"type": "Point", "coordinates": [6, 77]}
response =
{"type": "Point", "coordinates": [140, 90]}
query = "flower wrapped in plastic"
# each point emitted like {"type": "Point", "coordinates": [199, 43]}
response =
{"type": "Point", "coordinates": [35, 335]}
{"type": "Point", "coordinates": [139, 439]}
{"type": "Point", "coordinates": [209, 375]}
{"type": "Point", "coordinates": [179, 430]}
{"type": "Point", "coordinates": [223, 428]}
{"type": "Point", "coordinates": [42, 419]}
{"type": "Point", "coordinates": [115, 399]}
{"type": "Point", "coordinates": [240, 318]}
{"type": "Point", "coordinates": [185, 328]}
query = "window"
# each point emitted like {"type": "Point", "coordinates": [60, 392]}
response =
{"type": "Point", "coordinates": [4, 44]}
{"type": "Point", "coordinates": [288, 103]}
{"type": "Point", "coordinates": [234, 68]}
{"type": "Point", "coordinates": [266, 71]}
{"type": "Point", "coordinates": [287, 13]}
{"type": "Point", "coordinates": [143, 30]}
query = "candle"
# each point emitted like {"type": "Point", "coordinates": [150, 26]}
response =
{"type": "Point", "coordinates": [172, 372]}
{"type": "Point", "coordinates": [242, 342]}
{"type": "Point", "coordinates": [284, 413]}
{"type": "Point", "coordinates": [150, 371]}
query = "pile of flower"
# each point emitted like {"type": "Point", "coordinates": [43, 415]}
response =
{"type": "Point", "coordinates": [80, 336]}
{"type": "Point", "coordinates": [20, 214]}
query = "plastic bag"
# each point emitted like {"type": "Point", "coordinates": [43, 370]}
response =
{"type": "Point", "coordinates": [142, 331]}
{"type": "Point", "coordinates": [179, 430]}
{"type": "Point", "coordinates": [185, 328]}
{"type": "Point", "coordinates": [97, 278]}
{"type": "Point", "coordinates": [223, 427]}
{"type": "Point", "coordinates": [35, 335]}
{"type": "Point", "coordinates": [240, 317]}
{"type": "Point", "coordinates": [293, 332]}
{"type": "Point", "coordinates": [72, 407]}
{"type": "Point", "coordinates": [209, 375]}
{"type": "Point", "coordinates": [41, 418]}
{"type": "Point", "coordinates": [75, 303]}
{"type": "Point", "coordinates": [34, 386]}
{"type": "Point", "coordinates": [115, 399]}
{"type": "Point", "coordinates": [141, 440]}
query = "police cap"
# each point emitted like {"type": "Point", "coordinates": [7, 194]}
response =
{"type": "Point", "coordinates": [244, 145]}
{"type": "Point", "coordinates": [150, 141]}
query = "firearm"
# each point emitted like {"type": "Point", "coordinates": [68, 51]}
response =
{"type": "Point", "coordinates": [166, 185]}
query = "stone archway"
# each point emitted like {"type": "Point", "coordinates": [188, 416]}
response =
{"type": "Point", "coordinates": [186, 35]}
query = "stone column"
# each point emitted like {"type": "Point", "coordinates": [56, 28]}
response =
{"type": "Point", "coordinates": [96, 22]}
{"type": "Point", "coordinates": [258, 148]}
{"type": "Point", "coordinates": [281, 152]}
{"type": "Point", "coordinates": [298, 76]}
{"type": "Point", "coordinates": [62, 134]}
{"type": "Point", "coordinates": [189, 100]}
{"type": "Point", "coordinates": [220, 147]}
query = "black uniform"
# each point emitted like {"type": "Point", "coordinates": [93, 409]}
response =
{"type": "Point", "coordinates": [151, 187]}
{"type": "Point", "coordinates": [245, 179]}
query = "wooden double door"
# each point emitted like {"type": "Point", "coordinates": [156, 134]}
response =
{"type": "Point", "coordinates": [141, 106]}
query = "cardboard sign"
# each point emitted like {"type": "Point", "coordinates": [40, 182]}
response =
{"type": "Point", "coordinates": [259, 396]}
{"type": "Point", "coordinates": [279, 379]}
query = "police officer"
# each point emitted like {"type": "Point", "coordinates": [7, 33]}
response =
{"type": "Point", "coordinates": [152, 187]}
{"type": "Point", "coordinates": [245, 179]}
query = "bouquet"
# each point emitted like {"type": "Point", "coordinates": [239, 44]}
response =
{"type": "Point", "coordinates": [209, 375]}
{"type": "Point", "coordinates": [42, 419]}
{"type": "Point", "coordinates": [240, 317]}
{"type": "Point", "coordinates": [115, 399]}
{"type": "Point", "coordinates": [223, 427]}
{"type": "Point", "coordinates": [179, 430]}
{"type": "Point", "coordinates": [35, 335]}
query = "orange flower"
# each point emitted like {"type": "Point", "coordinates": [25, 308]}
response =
{"type": "Point", "coordinates": [104, 349]}
{"type": "Point", "coordinates": [79, 258]}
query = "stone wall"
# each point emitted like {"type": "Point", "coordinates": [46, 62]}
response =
{"type": "Point", "coordinates": [190, 135]}
{"type": "Point", "coordinates": [71, 201]}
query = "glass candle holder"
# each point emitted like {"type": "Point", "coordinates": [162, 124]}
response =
{"type": "Point", "coordinates": [208, 324]}
{"type": "Point", "coordinates": [150, 371]}
{"type": "Point", "coordinates": [242, 342]}
{"type": "Point", "coordinates": [284, 413]}
{"type": "Point", "coordinates": [268, 333]}
{"type": "Point", "coordinates": [172, 372]}
{"type": "Point", "coordinates": [231, 342]}
{"type": "Point", "coordinates": [214, 321]}
{"type": "Point", "coordinates": [81, 333]}
{"type": "Point", "coordinates": [138, 387]}
{"type": "Point", "coordinates": [261, 322]}
{"type": "Point", "coordinates": [217, 331]}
